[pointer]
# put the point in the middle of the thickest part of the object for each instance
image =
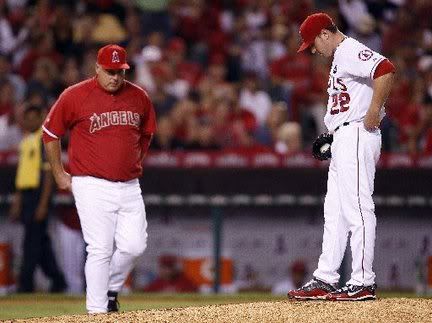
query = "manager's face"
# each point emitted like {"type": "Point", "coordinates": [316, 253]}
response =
{"type": "Point", "coordinates": [110, 80]}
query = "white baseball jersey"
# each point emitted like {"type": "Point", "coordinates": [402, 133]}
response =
{"type": "Point", "coordinates": [348, 205]}
{"type": "Point", "coordinates": [350, 83]}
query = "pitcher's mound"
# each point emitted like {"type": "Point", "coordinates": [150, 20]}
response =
{"type": "Point", "coordinates": [382, 310]}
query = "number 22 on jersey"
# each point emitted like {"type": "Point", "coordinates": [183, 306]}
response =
{"type": "Point", "coordinates": [341, 99]}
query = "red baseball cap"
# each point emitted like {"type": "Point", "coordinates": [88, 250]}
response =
{"type": "Point", "coordinates": [311, 27]}
{"type": "Point", "coordinates": [112, 57]}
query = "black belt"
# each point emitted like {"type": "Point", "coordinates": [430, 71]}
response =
{"type": "Point", "coordinates": [342, 125]}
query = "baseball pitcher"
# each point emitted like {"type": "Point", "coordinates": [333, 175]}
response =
{"type": "Point", "coordinates": [359, 83]}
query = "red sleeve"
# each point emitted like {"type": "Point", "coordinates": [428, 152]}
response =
{"type": "Point", "coordinates": [145, 144]}
{"type": "Point", "coordinates": [149, 124]}
{"type": "Point", "coordinates": [383, 68]}
{"type": "Point", "coordinates": [60, 116]}
{"type": "Point", "coordinates": [148, 127]}
{"type": "Point", "coordinates": [47, 138]}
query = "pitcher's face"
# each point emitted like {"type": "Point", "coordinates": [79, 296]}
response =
{"type": "Point", "coordinates": [322, 45]}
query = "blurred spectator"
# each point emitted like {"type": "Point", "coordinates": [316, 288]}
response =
{"type": "Point", "coordinates": [106, 28]}
{"type": "Point", "coordinates": [163, 102]}
{"type": "Point", "coordinates": [194, 20]}
{"type": "Point", "coordinates": [213, 85]}
{"type": "Point", "coordinates": [155, 15]}
{"type": "Point", "coordinates": [206, 51]}
{"type": "Point", "coordinates": [42, 47]}
{"type": "Point", "coordinates": [256, 15]}
{"type": "Point", "coordinates": [234, 127]}
{"type": "Point", "coordinates": [7, 99]}
{"type": "Point", "coordinates": [384, 11]}
{"type": "Point", "coordinates": [171, 278]}
{"type": "Point", "coordinates": [164, 138]}
{"type": "Point", "coordinates": [113, 7]}
{"type": "Point", "coordinates": [394, 277]}
{"type": "Point", "coordinates": [82, 30]}
{"type": "Point", "coordinates": [63, 31]}
{"type": "Point", "coordinates": [14, 31]}
{"type": "Point", "coordinates": [291, 73]}
{"type": "Point", "coordinates": [174, 85]}
{"type": "Point", "coordinates": [289, 138]}
{"type": "Point", "coordinates": [183, 115]}
{"type": "Point", "coordinates": [186, 73]}
{"type": "Point", "coordinates": [6, 74]}
{"type": "Point", "coordinates": [267, 134]}
{"type": "Point", "coordinates": [253, 51]}
{"type": "Point", "coordinates": [31, 203]}
{"type": "Point", "coordinates": [296, 277]}
{"type": "Point", "coordinates": [133, 29]}
{"type": "Point", "coordinates": [71, 73]}
{"type": "Point", "coordinates": [10, 134]}
{"type": "Point", "coordinates": [353, 11]}
{"type": "Point", "coordinates": [72, 248]}
{"type": "Point", "coordinates": [88, 62]}
{"type": "Point", "coordinates": [410, 122]}
{"type": "Point", "coordinates": [144, 63]}
{"type": "Point", "coordinates": [205, 138]}
{"type": "Point", "coordinates": [312, 114]}
{"type": "Point", "coordinates": [421, 133]}
{"type": "Point", "coordinates": [276, 45]}
{"type": "Point", "coordinates": [421, 268]}
{"type": "Point", "coordinates": [255, 100]}
{"type": "Point", "coordinates": [400, 32]}
{"type": "Point", "coordinates": [44, 80]}
{"type": "Point", "coordinates": [249, 281]}
{"type": "Point", "coordinates": [365, 32]}
{"type": "Point", "coordinates": [45, 14]}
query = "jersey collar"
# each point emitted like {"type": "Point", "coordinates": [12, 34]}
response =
{"type": "Point", "coordinates": [338, 45]}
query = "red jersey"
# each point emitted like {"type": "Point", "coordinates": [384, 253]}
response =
{"type": "Point", "coordinates": [108, 131]}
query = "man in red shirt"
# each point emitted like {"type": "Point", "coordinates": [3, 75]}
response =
{"type": "Point", "coordinates": [111, 122]}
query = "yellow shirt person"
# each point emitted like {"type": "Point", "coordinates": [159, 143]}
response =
{"type": "Point", "coordinates": [31, 203]}
{"type": "Point", "coordinates": [30, 165]}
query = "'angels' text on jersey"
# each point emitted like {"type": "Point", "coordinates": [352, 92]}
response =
{"type": "Point", "coordinates": [350, 83]}
{"type": "Point", "coordinates": [113, 118]}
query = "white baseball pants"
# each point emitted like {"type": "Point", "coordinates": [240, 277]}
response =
{"type": "Point", "coordinates": [113, 221]}
{"type": "Point", "coordinates": [348, 205]}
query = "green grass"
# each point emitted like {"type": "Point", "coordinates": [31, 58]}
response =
{"type": "Point", "coordinates": [40, 305]}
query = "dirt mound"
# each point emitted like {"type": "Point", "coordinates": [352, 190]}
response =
{"type": "Point", "coordinates": [383, 310]}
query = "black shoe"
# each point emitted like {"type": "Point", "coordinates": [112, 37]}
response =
{"type": "Point", "coordinates": [113, 303]}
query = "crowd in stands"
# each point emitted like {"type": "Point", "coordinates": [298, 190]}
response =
{"type": "Point", "coordinates": [221, 74]}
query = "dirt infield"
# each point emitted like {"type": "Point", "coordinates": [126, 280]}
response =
{"type": "Point", "coordinates": [383, 310]}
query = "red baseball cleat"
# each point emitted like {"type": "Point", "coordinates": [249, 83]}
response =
{"type": "Point", "coordinates": [315, 289]}
{"type": "Point", "coordinates": [353, 293]}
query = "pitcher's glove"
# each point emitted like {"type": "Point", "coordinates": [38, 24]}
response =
{"type": "Point", "coordinates": [321, 148]}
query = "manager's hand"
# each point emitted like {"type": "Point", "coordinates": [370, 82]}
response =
{"type": "Point", "coordinates": [63, 180]}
